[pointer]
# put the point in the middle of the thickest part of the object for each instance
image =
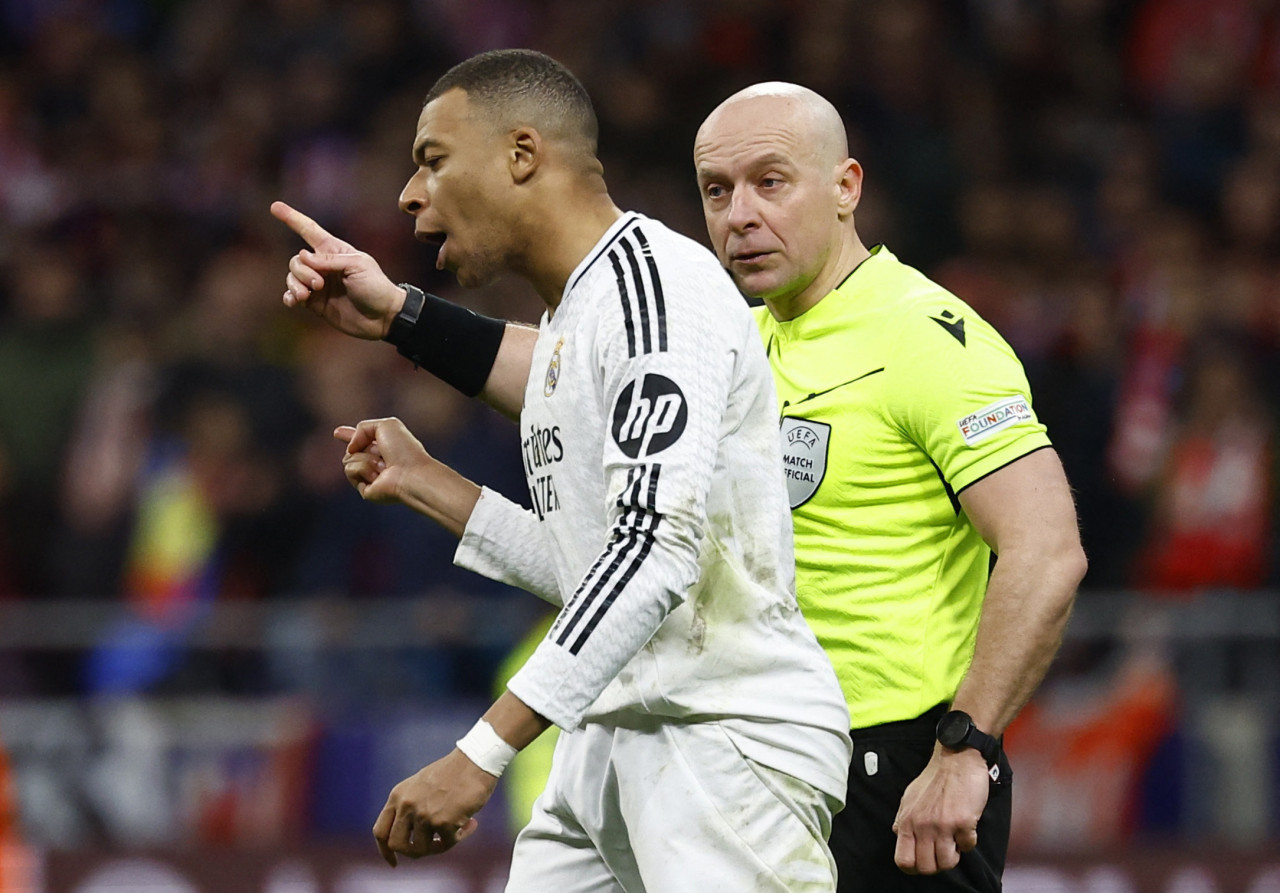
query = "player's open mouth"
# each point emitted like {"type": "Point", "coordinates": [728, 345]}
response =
{"type": "Point", "coordinates": [434, 237]}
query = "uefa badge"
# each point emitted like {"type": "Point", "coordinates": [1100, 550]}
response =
{"type": "Point", "coordinates": [804, 457]}
{"type": "Point", "coordinates": [553, 370]}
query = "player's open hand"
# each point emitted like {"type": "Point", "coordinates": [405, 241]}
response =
{"type": "Point", "coordinates": [335, 281]}
{"type": "Point", "coordinates": [938, 817]}
{"type": "Point", "coordinates": [381, 456]}
{"type": "Point", "coordinates": [431, 812]}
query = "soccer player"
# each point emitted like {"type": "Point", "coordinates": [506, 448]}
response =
{"type": "Point", "coordinates": [912, 453]}
{"type": "Point", "coordinates": [705, 741]}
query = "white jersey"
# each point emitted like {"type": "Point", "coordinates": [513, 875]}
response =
{"type": "Point", "coordinates": [660, 522]}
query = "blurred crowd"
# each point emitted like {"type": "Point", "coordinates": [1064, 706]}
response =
{"type": "Point", "coordinates": [1099, 178]}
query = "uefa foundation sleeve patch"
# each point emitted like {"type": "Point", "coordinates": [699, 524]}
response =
{"type": "Point", "coordinates": [980, 425]}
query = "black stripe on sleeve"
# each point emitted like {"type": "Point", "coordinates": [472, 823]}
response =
{"type": "Point", "coordinates": [595, 568]}
{"type": "Point", "coordinates": [634, 536]}
{"type": "Point", "coordinates": [630, 494]}
{"type": "Point", "coordinates": [651, 500]}
{"type": "Point", "coordinates": [642, 296]}
{"type": "Point", "coordinates": [626, 304]}
{"type": "Point", "coordinates": [627, 542]}
{"type": "Point", "coordinates": [645, 537]}
{"type": "Point", "coordinates": [659, 302]}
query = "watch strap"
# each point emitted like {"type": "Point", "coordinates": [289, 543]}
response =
{"type": "Point", "coordinates": [987, 745]}
{"type": "Point", "coordinates": [984, 744]}
{"type": "Point", "coordinates": [404, 322]}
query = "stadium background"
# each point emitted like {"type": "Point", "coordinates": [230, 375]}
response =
{"type": "Point", "coordinates": [214, 659]}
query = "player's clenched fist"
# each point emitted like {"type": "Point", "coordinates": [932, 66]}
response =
{"type": "Point", "coordinates": [385, 463]}
{"type": "Point", "coordinates": [431, 811]}
{"type": "Point", "coordinates": [335, 281]}
{"type": "Point", "coordinates": [381, 454]}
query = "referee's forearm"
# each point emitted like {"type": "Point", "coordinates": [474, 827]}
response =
{"type": "Point", "coordinates": [1023, 620]}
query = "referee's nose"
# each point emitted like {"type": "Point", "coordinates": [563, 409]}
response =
{"type": "Point", "coordinates": [744, 210]}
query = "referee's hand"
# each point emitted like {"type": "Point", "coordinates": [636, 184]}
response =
{"type": "Point", "coordinates": [938, 817]}
{"type": "Point", "coordinates": [431, 812]}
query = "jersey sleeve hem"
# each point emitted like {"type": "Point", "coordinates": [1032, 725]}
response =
{"type": "Point", "coordinates": [503, 541]}
{"type": "Point", "coordinates": [533, 685]}
{"type": "Point", "coordinates": [990, 463]}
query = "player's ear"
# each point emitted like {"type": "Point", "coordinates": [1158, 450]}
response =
{"type": "Point", "coordinates": [848, 186]}
{"type": "Point", "coordinates": [524, 154]}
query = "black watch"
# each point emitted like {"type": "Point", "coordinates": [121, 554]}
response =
{"type": "Point", "coordinates": [407, 318]}
{"type": "Point", "coordinates": [956, 731]}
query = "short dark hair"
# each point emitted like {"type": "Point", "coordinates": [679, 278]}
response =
{"type": "Point", "coordinates": [527, 84]}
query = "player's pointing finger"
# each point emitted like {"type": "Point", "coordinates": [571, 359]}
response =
{"type": "Point", "coordinates": [312, 233]}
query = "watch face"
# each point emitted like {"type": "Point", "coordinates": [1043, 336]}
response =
{"type": "Point", "coordinates": [953, 727]}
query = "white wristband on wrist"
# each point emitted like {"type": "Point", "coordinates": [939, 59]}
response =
{"type": "Point", "coordinates": [484, 747]}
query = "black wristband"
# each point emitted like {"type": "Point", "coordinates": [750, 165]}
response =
{"type": "Point", "coordinates": [455, 344]}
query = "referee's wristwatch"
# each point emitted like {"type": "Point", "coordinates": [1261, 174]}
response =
{"type": "Point", "coordinates": [956, 731]}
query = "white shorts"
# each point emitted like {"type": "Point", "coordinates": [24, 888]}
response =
{"type": "Point", "coordinates": [669, 808]}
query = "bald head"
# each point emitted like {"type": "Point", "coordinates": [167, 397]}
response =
{"type": "Point", "coordinates": [779, 191]}
{"type": "Point", "coordinates": [807, 115]}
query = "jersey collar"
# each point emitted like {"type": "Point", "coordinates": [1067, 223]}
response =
{"type": "Point", "coordinates": [855, 293]}
{"type": "Point", "coordinates": [851, 285]}
{"type": "Point", "coordinates": [627, 218]}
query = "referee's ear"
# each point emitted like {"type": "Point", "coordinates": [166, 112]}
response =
{"type": "Point", "coordinates": [850, 186]}
{"type": "Point", "coordinates": [525, 154]}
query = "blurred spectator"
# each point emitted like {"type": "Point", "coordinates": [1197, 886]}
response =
{"type": "Point", "coordinates": [44, 365]}
{"type": "Point", "coordinates": [1075, 390]}
{"type": "Point", "coordinates": [1190, 59]}
{"type": "Point", "coordinates": [1214, 496]}
{"type": "Point", "coordinates": [1163, 303]}
{"type": "Point", "coordinates": [1082, 755]}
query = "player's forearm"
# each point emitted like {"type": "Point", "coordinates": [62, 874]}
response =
{"type": "Point", "coordinates": [437, 491]}
{"type": "Point", "coordinates": [504, 388]}
{"type": "Point", "coordinates": [515, 722]}
{"type": "Point", "coordinates": [1028, 603]}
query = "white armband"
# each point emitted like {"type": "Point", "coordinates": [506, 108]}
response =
{"type": "Point", "coordinates": [484, 747]}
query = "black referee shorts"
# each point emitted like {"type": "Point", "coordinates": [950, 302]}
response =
{"type": "Point", "coordinates": [887, 758]}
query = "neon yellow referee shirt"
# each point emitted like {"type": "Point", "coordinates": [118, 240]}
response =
{"type": "Point", "coordinates": [894, 397]}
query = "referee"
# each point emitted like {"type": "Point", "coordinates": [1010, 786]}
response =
{"type": "Point", "coordinates": [912, 453]}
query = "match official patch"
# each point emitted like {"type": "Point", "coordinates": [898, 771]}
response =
{"type": "Point", "coordinates": [996, 417]}
{"type": "Point", "coordinates": [804, 457]}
